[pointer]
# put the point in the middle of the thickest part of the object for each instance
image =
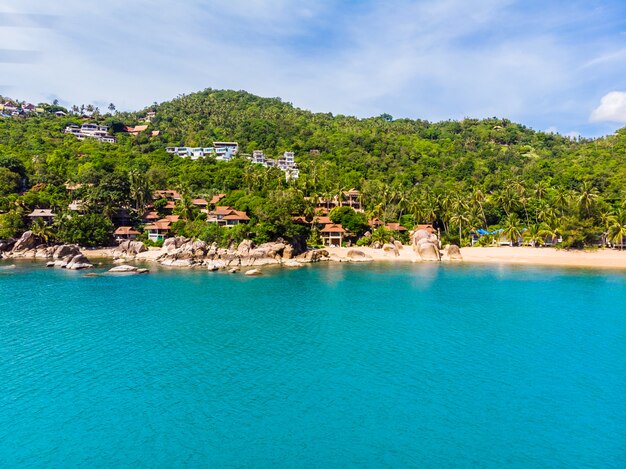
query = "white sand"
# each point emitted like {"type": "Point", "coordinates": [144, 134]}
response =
{"type": "Point", "coordinates": [601, 258]}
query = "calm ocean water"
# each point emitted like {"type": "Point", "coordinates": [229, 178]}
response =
{"type": "Point", "coordinates": [326, 366]}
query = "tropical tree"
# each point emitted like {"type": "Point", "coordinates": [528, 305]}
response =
{"type": "Point", "coordinates": [535, 234]}
{"type": "Point", "coordinates": [140, 192]}
{"type": "Point", "coordinates": [587, 196]}
{"type": "Point", "coordinates": [512, 228]}
{"type": "Point", "coordinates": [42, 230]}
{"type": "Point", "coordinates": [617, 228]}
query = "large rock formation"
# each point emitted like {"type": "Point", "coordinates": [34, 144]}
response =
{"type": "Point", "coordinates": [391, 249]}
{"type": "Point", "coordinates": [27, 241]}
{"type": "Point", "coordinates": [354, 255]}
{"type": "Point", "coordinates": [314, 255]}
{"type": "Point", "coordinates": [428, 251]}
{"type": "Point", "coordinates": [67, 256]}
{"type": "Point", "coordinates": [426, 245]}
{"type": "Point", "coordinates": [182, 252]}
{"type": "Point", "coordinates": [451, 252]}
{"type": "Point", "coordinates": [129, 249]}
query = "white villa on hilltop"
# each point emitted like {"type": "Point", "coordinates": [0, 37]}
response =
{"type": "Point", "coordinates": [285, 163]}
{"type": "Point", "coordinates": [221, 151]}
{"type": "Point", "coordinates": [94, 131]}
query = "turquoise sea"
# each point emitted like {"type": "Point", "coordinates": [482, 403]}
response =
{"type": "Point", "coordinates": [327, 366]}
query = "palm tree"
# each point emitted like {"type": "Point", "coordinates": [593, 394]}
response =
{"type": "Point", "coordinates": [587, 198]}
{"type": "Point", "coordinates": [185, 208]}
{"type": "Point", "coordinates": [617, 229]}
{"type": "Point", "coordinates": [561, 199]}
{"type": "Point", "coordinates": [42, 230]}
{"type": "Point", "coordinates": [459, 216]}
{"type": "Point", "coordinates": [512, 229]}
{"type": "Point", "coordinates": [140, 191]}
{"type": "Point", "coordinates": [535, 234]}
{"type": "Point", "coordinates": [479, 199]}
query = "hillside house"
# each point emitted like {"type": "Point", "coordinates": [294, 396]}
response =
{"type": "Point", "coordinates": [397, 227]}
{"type": "Point", "coordinates": [44, 214]}
{"type": "Point", "coordinates": [352, 198]}
{"type": "Point", "coordinates": [158, 230]}
{"type": "Point", "coordinates": [125, 233]}
{"type": "Point", "coordinates": [227, 216]}
{"type": "Point", "coordinates": [93, 131]}
{"type": "Point", "coordinates": [332, 235]}
{"type": "Point", "coordinates": [168, 194]}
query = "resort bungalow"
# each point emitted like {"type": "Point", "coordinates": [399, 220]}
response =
{"type": "Point", "coordinates": [150, 217]}
{"type": "Point", "coordinates": [158, 230]}
{"type": "Point", "coordinates": [322, 221]}
{"type": "Point", "coordinates": [200, 203]}
{"type": "Point", "coordinates": [125, 233]}
{"type": "Point", "coordinates": [395, 227]}
{"type": "Point", "coordinates": [135, 130]}
{"type": "Point", "coordinates": [332, 235]}
{"type": "Point", "coordinates": [216, 198]}
{"type": "Point", "coordinates": [352, 198]}
{"type": "Point", "coordinates": [168, 194]}
{"type": "Point", "coordinates": [235, 218]}
{"type": "Point", "coordinates": [227, 216]}
{"type": "Point", "coordinates": [44, 214]}
{"type": "Point", "coordinates": [374, 223]}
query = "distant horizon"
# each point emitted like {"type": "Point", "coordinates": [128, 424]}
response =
{"type": "Point", "coordinates": [555, 67]}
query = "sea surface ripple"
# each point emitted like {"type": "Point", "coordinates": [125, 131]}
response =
{"type": "Point", "coordinates": [325, 366]}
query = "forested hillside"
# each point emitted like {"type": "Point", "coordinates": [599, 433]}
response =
{"type": "Point", "coordinates": [460, 175]}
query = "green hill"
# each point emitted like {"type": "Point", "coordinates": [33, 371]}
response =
{"type": "Point", "coordinates": [468, 174]}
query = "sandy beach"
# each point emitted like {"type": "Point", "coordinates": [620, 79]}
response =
{"type": "Point", "coordinates": [601, 258]}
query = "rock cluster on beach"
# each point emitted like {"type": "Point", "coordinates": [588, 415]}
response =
{"type": "Point", "coordinates": [29, 246]}
{"type": "Point", "coordinates": [426, 245]}
{"type": "Point", "coordinates": [184, 252]}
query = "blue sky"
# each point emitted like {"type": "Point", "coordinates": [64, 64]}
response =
{"type": "Point", "coordinates": [551, 65]}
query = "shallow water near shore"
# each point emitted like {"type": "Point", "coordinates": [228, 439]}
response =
{"type": "Point", "coordinates": [413, 365]}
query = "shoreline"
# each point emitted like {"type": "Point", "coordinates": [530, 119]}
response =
{"type": "Point", "coordinates": [522, 255]}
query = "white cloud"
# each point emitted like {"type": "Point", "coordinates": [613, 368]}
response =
{"type": "Point", "coordinates": [612, 108]}
{"type": "Point", "coordinates": [433, 60]}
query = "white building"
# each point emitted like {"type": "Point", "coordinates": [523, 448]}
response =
{"type": "Point", "coordinates": [285, 163]}
{"type": "Point", "coordinates": [221, 153]}
{"type": "Point", "coordinates": [95, 131]}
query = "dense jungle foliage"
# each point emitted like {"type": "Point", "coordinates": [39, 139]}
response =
{"type": "Point", "coordinates": [489, 173]}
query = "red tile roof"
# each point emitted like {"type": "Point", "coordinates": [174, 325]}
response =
{"type": "Point", "coordinates": [126, 230]}
{"type": "Point", "coordinates": [322, 220]}
{"type": "Point", "coordinates": [159, 225]}
{"type": "Point", "coordinates": [236, 215]}
{"type": "Point", "coordinates": [333, 229]}
{"type": "Point", "coordinates": [216, 198]}
{"type": "Point", "coordinates": [395, 227]}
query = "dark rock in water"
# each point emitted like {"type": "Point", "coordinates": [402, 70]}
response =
{"type": "Point", "coordinates": [65, 250]}
{"type": "Point", "coordinates": [92, 275]}
{"type": "Point", "coordinates": [79, 262]}
{"type": "Point", "coordinates": [127, 269]}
